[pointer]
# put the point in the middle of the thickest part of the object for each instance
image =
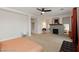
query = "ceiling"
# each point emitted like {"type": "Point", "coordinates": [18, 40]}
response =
{"type": "Point", "coordinates": [55, 10]}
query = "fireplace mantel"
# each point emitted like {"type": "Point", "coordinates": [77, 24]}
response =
{"type": "Point", "coordinates": [55, 24]}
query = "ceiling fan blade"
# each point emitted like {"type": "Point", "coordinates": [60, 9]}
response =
{"type": "Point", "coordinates": [43, 9]}
{"type": "Point", "coordinates": [47, 10]}
{"type": "Point", "coordinates": [39, 9]}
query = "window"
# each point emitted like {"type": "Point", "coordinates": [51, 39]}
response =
{"type": "Point", "coordinates": [66, 28]}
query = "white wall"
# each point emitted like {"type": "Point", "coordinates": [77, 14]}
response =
{"type": "Point", "coordinates": [38, 25]}
{"type": "Point", "coordinates": [34, 24]}
{"type": "Point", "coordinates": [12, 24]}
{"type": "Point", "coordinates": [67, 20]}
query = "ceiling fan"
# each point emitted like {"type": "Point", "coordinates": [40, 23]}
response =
{"type": "Point", "coordinates": [43, 10]}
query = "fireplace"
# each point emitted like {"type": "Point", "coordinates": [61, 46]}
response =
{"type": "Point", "coordinates": [55, 31]}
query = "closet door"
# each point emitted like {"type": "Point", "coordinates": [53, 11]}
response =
{"type": "Point", "coordinates": [74, 28]}
{"type": "Point", "coordinates": [78, 27]}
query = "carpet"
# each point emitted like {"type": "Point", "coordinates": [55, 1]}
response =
{"type": "Point", "coordinates": [50, 42]}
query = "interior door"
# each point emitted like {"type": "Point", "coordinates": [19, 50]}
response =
{"type": "Point", "coordinates": [78, 27]}
{"type": "Point", "coordinates": [74, 28]}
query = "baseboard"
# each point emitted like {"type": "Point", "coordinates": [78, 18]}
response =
{"type": "Point", "coordinates": [9, 38]}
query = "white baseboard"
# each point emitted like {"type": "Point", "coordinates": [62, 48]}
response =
{"type": "Point", "coordinates": [9, 38]}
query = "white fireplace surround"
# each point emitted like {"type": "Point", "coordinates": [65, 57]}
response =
{"type": "Point", "coordinates": [59, 27]}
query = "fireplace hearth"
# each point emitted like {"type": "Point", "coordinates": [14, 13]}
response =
{"type": "Point", "coordinates": [55, 31]}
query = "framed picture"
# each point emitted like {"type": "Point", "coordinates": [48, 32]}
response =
{"type": "Point", "coordinates": [56, 21]}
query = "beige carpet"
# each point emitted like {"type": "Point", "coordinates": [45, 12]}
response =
{"type": "Point", "coordinates": [50, 42]}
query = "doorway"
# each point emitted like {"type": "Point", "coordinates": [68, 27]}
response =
{"type": "Point", "coordinates": [32, 25]}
